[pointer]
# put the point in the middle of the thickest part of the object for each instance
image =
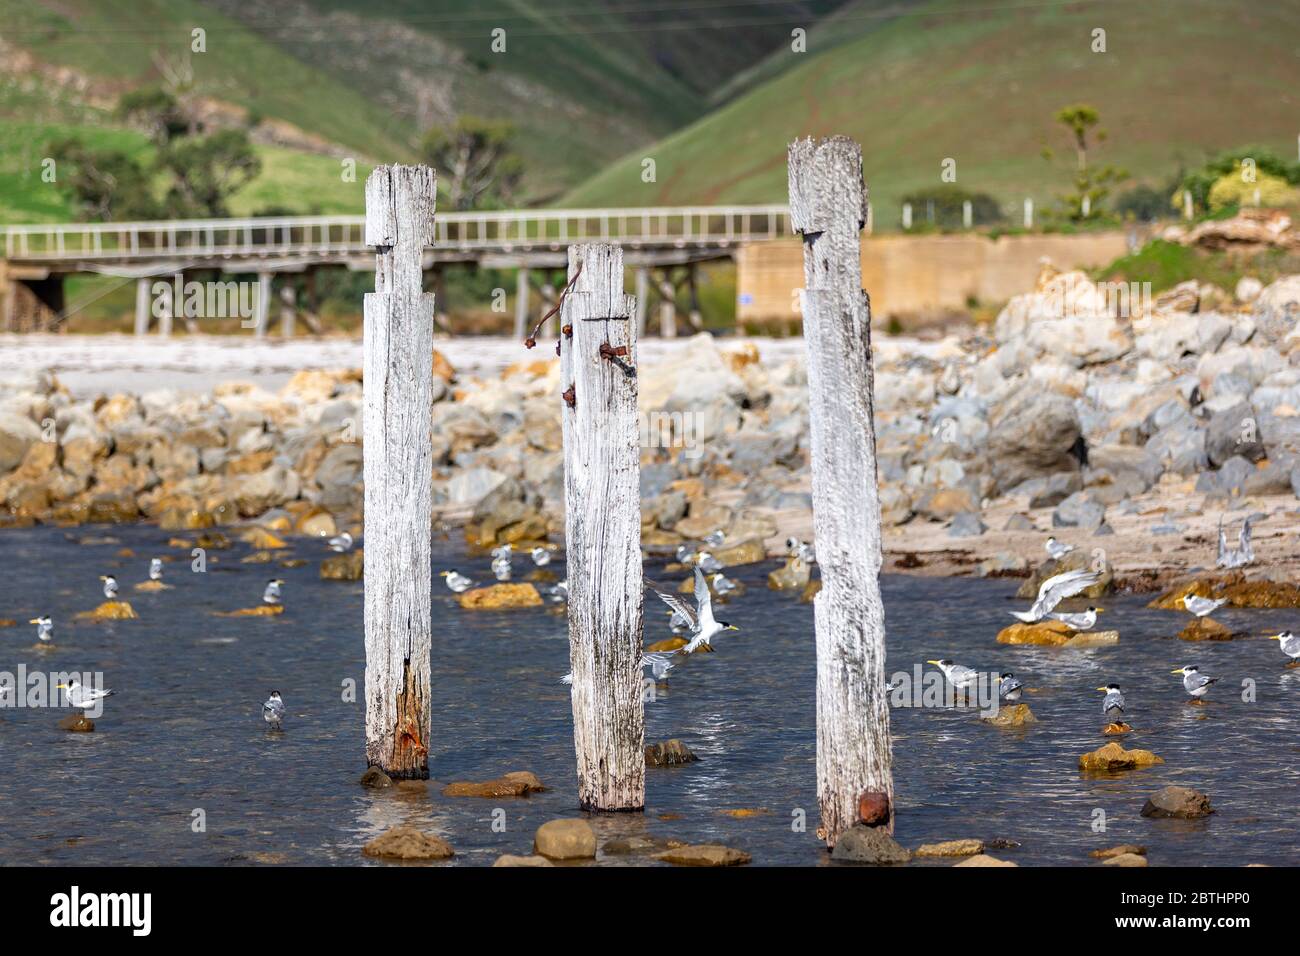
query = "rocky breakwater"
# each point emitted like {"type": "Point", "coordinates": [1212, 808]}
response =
{"type": "Point", "coordinates": [1075, 413]}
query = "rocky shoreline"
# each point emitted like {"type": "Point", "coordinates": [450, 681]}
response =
{"type": "Point", "coordinates": [1127, 436]}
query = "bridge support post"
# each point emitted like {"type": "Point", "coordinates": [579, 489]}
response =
{"type": "Point", "coordinates": [667, 307]}
{"type": "Point", "coordinates": [262, 309]}
{"type": "Point", "coordinates": [166, 305]}
{"type": "Point", "coordinates": [142, 285]}
{"type": "Point", "coordinates": [521, 302]}
{"type": "Point", "coordinates": [828, 206]}
{"type": "Point", "coordinates": [603, 529]}
{"type": "Point", "coordinates": [288, 309]}
{"type": "Point", "coordinates": [398, 465]}
{"type": "Point", "coordinates": [642, 294]}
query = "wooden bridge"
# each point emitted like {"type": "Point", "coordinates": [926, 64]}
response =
{"type": "Point", "coordinates": [662, 244]}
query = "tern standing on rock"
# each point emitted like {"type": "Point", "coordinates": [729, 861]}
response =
{"type": "Point", "coordinates": [1114, 701]}
{"type": "Point", "coordinates": [1056, 550]}
{"type": "Point", "coordinates": [340, 543]}
{"type": "Point", "coordinates": [708, 562]}
{"type": "Point", "coordinates": [110, 586]}
{"type": "Point", "coordinates": [541, 557]}
{"type": "Point", "coordinates": [1055, 590]}
{"type": "Point", "coordinates": [457, 581]}
{"type": "Point", "coordinates": [1009, 687]}
{"type": "Point", "coordinates": [1290, 644]}
{"type": "Point", "coordinates": [1194, 682]}
{"type": "Point", "coordinates": [83, 697]}
{"type": "Point", "coordinates": [44, 628]}
{"type": "Point", "coordinates": [272, 593]}
{"type": "Point", "coordinates": [959, 675]}
{"type": "Point", "coordinates": [273, 710]}
{"type": "Point", "coordinates": [1202, 607]}
{"type": "Point", "coordinates": [155, 569]}
{"type": "Point", "coordinates": [1078, 622]}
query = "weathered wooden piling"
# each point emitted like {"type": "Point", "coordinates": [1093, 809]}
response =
{"type": "Point", "coordinates": [828, 206]}
{"type": "Point", "coordinates": [602, 475]}
{"type": "Point", "coordinates": [398, 471]}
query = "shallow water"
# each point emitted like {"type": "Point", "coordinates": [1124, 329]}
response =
{"type": "Point", "coordinates": [184, 732]}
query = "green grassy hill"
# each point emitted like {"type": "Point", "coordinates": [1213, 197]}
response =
{"type": "Point", "coordinates": [582, 80]}
{"type": "Point", "coordinates": [980, 84]}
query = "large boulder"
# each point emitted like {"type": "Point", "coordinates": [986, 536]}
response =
{"type": "Point", "coordinates": [864, 844]}
{"type": "Point", "coordinates": [1032, 434]}
{"type": "Point", "coordinates": [1234, 432]}
{"type": "Point", "coordinates": [565, 840]}
{"type": "Point", "coordinates": [17, 434]}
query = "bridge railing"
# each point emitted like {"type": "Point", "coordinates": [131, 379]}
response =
{"type": "Point", "coordinates": [330, 236]}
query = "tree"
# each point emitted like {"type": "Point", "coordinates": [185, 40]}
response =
{"type": "Point", "coordinates": [107, 185]}
{"type": "Point", "coordinates": [205, 171]}
{"type": "Point", "coordinates": [1091, 185]}
{"type": "Point", "coordinates": [155, 111]}
{"type": "Point", "coordinates": [475, 161]}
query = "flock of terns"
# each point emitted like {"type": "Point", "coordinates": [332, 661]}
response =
{"type": "Point", "coordinates": [1068, 584]}
{"type": "Point", "coordinates": [702, 626]}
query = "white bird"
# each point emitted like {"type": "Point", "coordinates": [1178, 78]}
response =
{"type": "Point", "coordinates": [714, 539]}
{"type": "Point", "coordinates": [958, 675]}
{"type": "Point", "coordinates": [708, 563]}
{"type": "Point", "coordinates": [1194, 682]}
{"type": "Point", "coordinates": [1290, 644]}
{"type": "Point", "coordinates": [723, 584]}
{"type": "Point", "coordinates": [1055, 590]}
{"type": "Point", "coordinates": [798, 549]}
{"type": "Point", "coordinates": [1010, 687]}
{"type": "Point", "coordinates": [685, 553]}
{"type": "Point", "coordinates": [1078, 622]}
{"type": "Point", "coordinates": [1241, 555]}
{"type": "Point", "coordinates": [560, 592]}
{"type": "Point", "coordinates": [44, 628]}
{"type": "Point", "coordinates": [272, 593]}
{"type": "Point", "coordinates": [1200, 606]}
{"type": "Point", "coordinates": [110, 586]}
{"type": "Point", "coordinates": [541, 557]}
{"type": "Point", "coordinates": [659, 662]}
{"type": "Point", "coordinates": [83, 697]}
{"type": "Point", "coordinates": [273, 710]}
{"type": "Point", "coordinates": [340, 542]}
{"type": "Point", "coordinates": [567, 678]}
{"type": "Point", "coordinates": [1056, 550]}
{"type": "Point", "coordinates": [503, 552]}
{"type": "Point", "coordinates": [1113, 703]}
{"type": "Point", "coordinates": [501, 569]}
{"type": "Point", "coordinates": [155, 569]}
{"type": "Point", "coordinates": [456, 581]}
{"type": "Point", "coordinates": [701, 621]}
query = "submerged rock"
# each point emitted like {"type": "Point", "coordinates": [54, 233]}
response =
{"type": "Point", "coordinates": [1015, 715]}
{"type": "Point", "coordinates": [629, 846]}
{"type": "Point", "coordinates": [77, 723]}
{"type": "Point", "coordinates": [1112, 758]}
{"type": "Point", "coordinates": [863, 844]}
{"type": "Point", "coordinates": [565, 840]}
{"type": "Point", "coordinates": [1126, 859]}
{"type": "Point", "coordinates": [1205, 629]}
{"type": "Point", "coordinates": [950, 848]}
{"type": "Point", "coordinates": [1124, 849]}
{"type": "Point", "coordinates": [262, 610]}
{"type": "Point", "coordinates": [704, 854]}
{"type": "Point", "coordinates": [110, 611]}
{"type": "Point", "coordinates": [344, 567]}
{"type": "Point", "coordinates": [408, 843]}
{"type": "Point", "coordinates": [1181, 803]}
{"type": "Point", "coordinates": [670, 753]}
{"type": "Point", "coordinates": [519, 783]}
{"type": "Point", "coordinates": [376, 779]}
{"type": "Point", "coordinates": [983, 859]}
{"type": "Point", "coordinates": [1044, 633]}
{"type": "Point", "coordinates": [501, 597]}
{"type": "Point", "coordinates": [509, 859]}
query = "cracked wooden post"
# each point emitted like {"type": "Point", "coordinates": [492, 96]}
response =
{"type": "Point", "coordinates": [398, 471]}
{"type": "Point", "coordinates": [602, 496]}
{"type": "Point", "coordinates": [828, 206]}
